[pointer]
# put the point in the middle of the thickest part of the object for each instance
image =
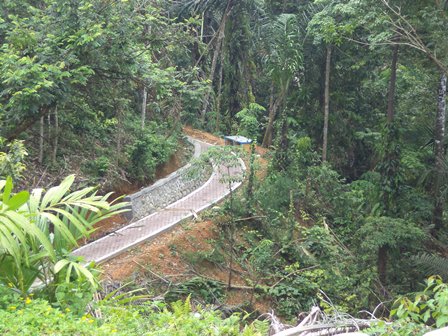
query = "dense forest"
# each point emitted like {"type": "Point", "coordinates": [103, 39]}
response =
{"type": "Point", "coordinates": [344, 208]}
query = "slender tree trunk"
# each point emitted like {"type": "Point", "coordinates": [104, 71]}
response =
{"type": "Point", "coordinates": [390, 156]}
{"type": "Point", "coordinates": [274, 105]}
{"type": "Point", "coordinates": [231, 243]}
{"type": "Point", "coordinates": [392, 85]}
{"type": "Point", "coordinates": [48, 136]}
{"type": "Point", "coordinates": [56, 135]}
{"type": "Point", "coordinates": [267, 138]}
{"type": "Point", "coordinates": [216, 53]}
{"type": "Point", "coordinates": [382, 264]}
{"type": "Point", "coordinates": [439, 199]}
{"type": "Point", "coordinates": [219, 95]}
{"type": "Point", "coordinates": [269, 134]}
{"type": "Point", "coordinates": [283, 145]}
{"type": "Point", "coordinates": [144, 100]}
{"type": "Point", "coordinates": [40, 159]}
{"type": "Point", "coordinates": [391, 140]}
{"type": "Point", "coordinates": [119, 136]}
{"type": "Point", "coordinates": [231, 231]}
{"type": "Point", "coordinates": [202, 27]}
{"type": "Point", "coordinates": [326, 103]}
{"type": "Point", "coordinates": [251, 178]}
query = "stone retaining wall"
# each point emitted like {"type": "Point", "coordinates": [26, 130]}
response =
{"type": "Point", "coordinates": [167, 190]}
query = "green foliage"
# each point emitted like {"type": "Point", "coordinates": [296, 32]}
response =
{"type": "Point", "coordinates": [273, 195]}
{"type": "Point", "coordinates": [98, 167]}
{"type": "Point", "coordinates": [389, 167]}
{"type": "Point", "coordinates": [283, 40]}
{"type": "Point", "coordinates": [297, 294]}
{"type": "Point", "coordinates": [88, 63]}
{"type": "Point", "coordinates": [333, 22]}
{"type": "Point", "coordinates": [46, 227]}
{"type": "Point", "coordinates": [432, 264]}
{"type": "Point", "coordinates": [207, 290]}
{"type": "Point", "coordinates": [249, 117]}
{"type": "Point", "coordinates": [37, 317]}
{"type": "Point", "coordinates": [75, 295]}
{"type": "Point", "coordinates": [149, 149]}
{"type": "Point", "coordinates": [392, 232]}
{"type": "Point", "coordinates": [260, 257]}
{"type": "Point", "coordinates": [11, 161]}
{"type": "Point", "coordinates": [417, 315]}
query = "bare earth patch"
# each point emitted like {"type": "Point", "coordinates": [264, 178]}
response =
{"type": "Point", "coordinates": [162, 256]}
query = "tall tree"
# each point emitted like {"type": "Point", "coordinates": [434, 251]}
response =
{"type": "Point", "coordinates": [440, 154]}
{"type": "Point", "coordinates": [389, 167]}
{"type": "Point", "coordinates": [326, 102]}
{"type": "Point", "coordinates": [283, 60]}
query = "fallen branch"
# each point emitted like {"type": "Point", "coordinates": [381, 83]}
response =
{"type": "Point", "coordinates": [317, 323]}
{"type": "Point", "coordinates": [153, 273]}
{"type": "Point", "coordinates": [322, 329]}
{"type": "Point", "coordinates": [248, 218]}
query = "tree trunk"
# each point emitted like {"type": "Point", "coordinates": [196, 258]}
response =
{"type": "Point", "coordinates": [267, 139]}
{"type": "Point", "coordinates": [144, 100]}
{"type": "Point", "coordinates": [382, 264]}
{"type": "Point", "coordinates": [274, 105]}
{"type": "Point", "coordinates": [48, 137]}
{"type": "Point", "coordinates": [231, 232]}
{"type": "Point", "coordinates": [391, 139]}
{"type": "Point", "coordinates": [56, 135]}
{"type": "Point", "coordinates": [439, 148]}
{"type": "Point", "coordinates": [390, 156]}
{"type": "Point", "coordinates": [326, 103]}
{"type": "Point", "coordinates": [27, 123]}
{"type": "Point", "coordinates": [40, 159]}
{"type": "Point", "coordinates": [219, 95]}
{"type": "Point", "coordinates": [251, 179]}
{"type": "Point", "coordinates": [392, 85]}
{"type": "Point", "coordinates": [216, 53]}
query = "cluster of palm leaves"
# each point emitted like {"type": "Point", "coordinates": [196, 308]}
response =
{"type": "Point", "coordinates": [39, 229]}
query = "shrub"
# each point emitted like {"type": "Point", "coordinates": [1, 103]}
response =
{"type": "Point", "coordinates": [11, 161]}
{"type": "Point", "coordinates": [149, 149]}
{"type": "Point", "coordinates": [209, 291]}
{"type": "Point", "coordinates": [38, 317]}
{"type": "Point", "coordinates": [427, 310]}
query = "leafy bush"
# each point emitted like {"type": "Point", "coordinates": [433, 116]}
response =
{"type": "Point", "coordinates": [11, 161]}
{"type": "Point", "coordinates": [298, 293]}
{"type": "Point", "coordinates": [426, 311]}
{"type": "Point", "coordinates": [387, 231]}
{"type": "Point", "coordinates": [98, 167]}
{"type": "Point", "coordinates": [209, 291]}
{"type": "Point", "coordinates": [149, 149]}
{"type": "Point", "coordinates": [38, 231]}
{"type": "Point", "coordinates": [249, 125]}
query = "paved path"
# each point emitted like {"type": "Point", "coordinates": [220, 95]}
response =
{"type": "Point", "coordinates": [203, 197]}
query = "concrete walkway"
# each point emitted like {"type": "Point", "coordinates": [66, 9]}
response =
{"type": "Point", "coordinates": [149, 227]}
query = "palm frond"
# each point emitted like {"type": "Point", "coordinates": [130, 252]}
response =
{"type": "Point", "coordinates": [38, 230]}
{"type": "Point", "coordinates": [432, 264]}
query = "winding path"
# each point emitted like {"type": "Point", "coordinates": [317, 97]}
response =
{"type": "Point", "coordinates": [149, 227]}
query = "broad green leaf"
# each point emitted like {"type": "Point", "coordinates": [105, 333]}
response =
{"type": "Point", "coordinates": [7, 190]}
{"type": "Point", "coordinates": [55, 194]}
{"type": "Point", "coordinates": [18, 200]}
{"type": "Point", "coordinates": [60, 265]}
